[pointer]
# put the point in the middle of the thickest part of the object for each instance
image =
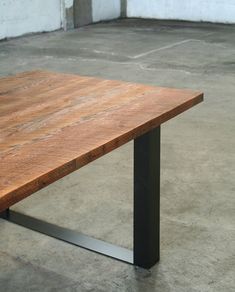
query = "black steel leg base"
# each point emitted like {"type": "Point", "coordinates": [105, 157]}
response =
{"type": "Point", "coordinates": [146, 211]}
{"type": "Point", "coordinates": [70, 236]}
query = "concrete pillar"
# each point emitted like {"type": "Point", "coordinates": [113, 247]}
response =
{"type": "Point", "coordinates": [88, 11]}
{"type": "Point", "coordinates": [68, 14]}
{"type": "Point", "coordinates": [82, 12]}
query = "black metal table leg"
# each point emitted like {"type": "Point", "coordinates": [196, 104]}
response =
{"type": "Point", "coordinates": [146, 211]}
{"type": "Point", "coordinates": [147, 199]}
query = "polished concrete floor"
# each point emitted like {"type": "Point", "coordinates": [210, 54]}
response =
{"type": "Point", "coordinates": [197, 165]}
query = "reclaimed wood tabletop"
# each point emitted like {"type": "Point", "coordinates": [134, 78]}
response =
{"type": "Point", "coordinates": [52, 124]}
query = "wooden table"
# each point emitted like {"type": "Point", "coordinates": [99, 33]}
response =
{"type": "Point", "coordinates": [52, 124]}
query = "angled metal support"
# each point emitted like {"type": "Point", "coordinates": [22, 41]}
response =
{"type": "Point", "coordinates": [70, 236]}
{"type": "Point", "coordinates": [146, 211]}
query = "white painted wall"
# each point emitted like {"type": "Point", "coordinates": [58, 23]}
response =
{"type": "Point", "coordinates": [195, 10]}
{"type": "Point", "coordinates": [18, 17]}
{"type": "Point", "coordinates": [105, 9]}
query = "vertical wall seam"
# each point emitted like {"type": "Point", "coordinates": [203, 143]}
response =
{"type": "Point", "coordinates": [62, 13]}
{"type": "Point", "coordinates": [123, 6]}
{"type": "Point", "coordinates": [92, 16]}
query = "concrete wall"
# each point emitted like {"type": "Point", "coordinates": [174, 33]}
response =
{"type": "Point", "coordinates": [67, 14]}
{"type": "Point", "coordinates": [89, 11]}
{"type": "Point", "coordinates": [194, 10]}
{"type": "Point", "coordinates": [18, 17]}
{"type": "Point", "coordinates": [105, 9]}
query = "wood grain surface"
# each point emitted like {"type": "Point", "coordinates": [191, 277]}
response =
{"type": "Point", "coordinates": [52, 124]}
